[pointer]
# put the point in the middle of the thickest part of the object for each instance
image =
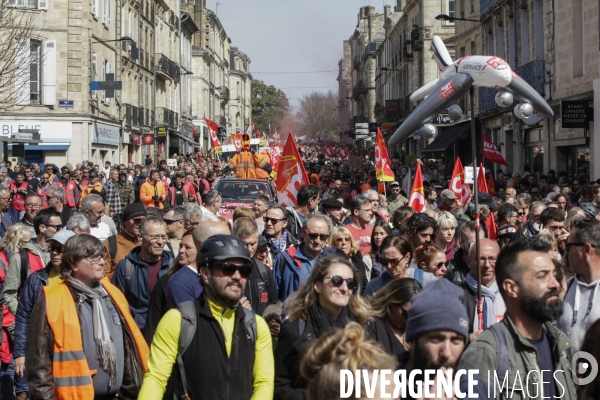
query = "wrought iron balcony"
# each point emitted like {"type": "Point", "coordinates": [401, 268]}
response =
{"type": "Point", "coordinates": [533, 73]}
{"type": "Point", "coordinates": [134, 116]}
{"type": "Point", "coordinates": [224, 92]}
{"type": "Point", "coordinates": [165, 67]}
{"type": "Point", "coordinates": [166, 117]}
{"type": "Point", "coordinates": [486, 99]}
{"type": "Point", "coordinates": [487, 5]}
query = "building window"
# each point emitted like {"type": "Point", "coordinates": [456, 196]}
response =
{"type": "Point", "coordinates": [451, 10]}
{"type": "Point", "coordinates": [35, 71]}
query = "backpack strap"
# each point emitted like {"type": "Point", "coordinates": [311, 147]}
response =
{"type": "Point", "coordinates": [502, 353]}
{"type": "Point", "coordinates": [250, 322]}
{"type": "Point", "coordinates": [262, 270]}
{"type": "Point", "coordinates": [170, 246]}
{"type": "Point", "coordinates": [128, 274]}
{"type": "Point", "coordinates": [24, 265]}
{"type": "Point", "coordinates": [419, 275]}
{"type": "Point", "coordinates": [188, 330]}
{"type": "Point", "coordinates": [112, 247]}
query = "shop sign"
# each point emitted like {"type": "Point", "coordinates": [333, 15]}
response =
{"type": "Point", "coordinates": [107, 134]}
{"type": "Point", "coordinates": [393, 106]}
{"type": "Point", "coordinates": [148, 139]}
{"type": "Point", "coordinates": [562, 133]}
{"type": "Point", "coordinates": [575, 114]}
{"type": "Point", "coordinates": [443, 120]}
{"type": "Point", "coordinates": [136, 139]}
{"type": "Point", "coordinates": [161, 131]}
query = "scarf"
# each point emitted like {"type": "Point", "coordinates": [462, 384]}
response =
{"type": "Point", "coordinates": [105, 348]}
{"type": "Point", "coordinates": [322, 323]}
{"type": "Point", "coordinates": [489, 296]}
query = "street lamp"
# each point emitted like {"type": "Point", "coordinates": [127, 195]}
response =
{"type": "Point", "coordinates": [445, 17]}
{"type": "Point", "coordinates": [389, 69]}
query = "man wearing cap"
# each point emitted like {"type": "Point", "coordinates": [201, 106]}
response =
{"type": "Point", "coordinates": [437, 331]}
{"type": "Point", "coordinates": [533, 225]}
{"type": "Point", "coordinates": [32, 291]}
{"type": "Point", "coordinates": [333, 208]}
{"type": "Point", "coordinates": [119, 245]}
{"type": "Point", "coordinates": [536, 352]}
{"type": "Point", "coordinates": [230, 350]}
{"type": "Point", "coordinates": [449, 200]}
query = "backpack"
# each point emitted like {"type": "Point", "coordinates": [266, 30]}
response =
{"type": "Point", "coordinates": [262, 270]}
{"type": "Point", "coordinates": [112, 247]}
{"type": "Point", "coordinates": [188, 330]}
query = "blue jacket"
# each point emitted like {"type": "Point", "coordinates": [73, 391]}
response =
{"type": "Point", "coordinates": [287, 273]}
{"type": "Point", "coordinates": [10, 217]}
{"type": "Point", "coordinates": [138, 294]}
{"type": "Point", "coordinates": [30, 294]}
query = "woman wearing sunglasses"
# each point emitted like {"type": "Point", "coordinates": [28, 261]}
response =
{"type": "Point", "coordinates": [381, 230]}
{"type": "Point", "coordinates": [431, 258]}
{"type": "Point", "coordinates": [390, 311]}
{"type": "Point", "coordinates": [342, 239]}
{"type": "Point", "coordinates": [327, 300]}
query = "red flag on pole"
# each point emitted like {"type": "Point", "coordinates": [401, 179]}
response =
{"type": "Point", "coordinates": [490, 151]}
{"type": "Point", "coordinates": [382, 160]}
{"type": "Point", "coordinates": [237, 141]}
{"type": "Point", "coordinates": [458, 185]}
{"type": "Point", "coordinates": [417, 196]}
{"type": "Point", "coordinates": [291, 174]}
{"type": "Point", "coordinates": [481, 183]}
{"type": "Point", "coordinates": [491, 184]}
{"type": "Point", "coordinates": [213, 129]}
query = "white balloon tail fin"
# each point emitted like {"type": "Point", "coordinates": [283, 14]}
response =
{"type": "Point", "coordinates": [442, 56]}
{"type": "Point", "coordinates": [423, 91]}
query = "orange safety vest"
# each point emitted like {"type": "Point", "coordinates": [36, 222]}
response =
{"type": "Point", "coordinates": [72, 377]}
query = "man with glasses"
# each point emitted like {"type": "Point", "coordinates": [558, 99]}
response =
{"type": "Point", "coordinates": [175, 219]}
{"type": "Point", "coordinates": [493, 305]}
{"type": "Point", "coordinates": [581, 308]}
{"type": "Point", "coordinates": [93, 208]}
{"type": "Point", "coordinates": [33, 204]}
{"type": "Point", "coordinates": [394, 198]}
{"type": "Point", "coordinates": [292, 267]}
{"type": "Point", "coordinates": [137, 274]}
{"type": "Point", "coordinates": [362, 213]}
{"type": "Point", "coordinates": [8, 215]}
{"type": "Point", "coordinates": [55, 197]}
{"type": "Point", "coordinates": [119, 245]}
{"type": "Point", "coordinates": [47, 223]}
{"type": "Point", "coordinates": [276, 220]}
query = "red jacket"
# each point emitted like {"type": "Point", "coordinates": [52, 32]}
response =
{"type": "Point", "coordinates": [71, 195]}
{"type": "Point", "coordinates": [18, 199]}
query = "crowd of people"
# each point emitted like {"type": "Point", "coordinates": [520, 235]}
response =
{"type": "Point", "coordinates": [125, 282]}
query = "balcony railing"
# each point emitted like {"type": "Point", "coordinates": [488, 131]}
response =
{"type": "Point", "coordinates": [166, 67]}
{"type": "Point", "coordinates": [224, 92]}
{"type": "Point", "coordinates": [166, 117]}
{"type": "Point", "coordinates": [533, 73]}
{"type": "Point", "coordinates": [486, 5]}
{"type": "Point", "coordinates": [134, 116]}
{"type": "Point", "coordinates": [486, 99]}
{"type": "Point", "coordinates": [221, 120]}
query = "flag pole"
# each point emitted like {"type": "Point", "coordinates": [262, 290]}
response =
{"type": "Point", "coordinates": [477, 227]}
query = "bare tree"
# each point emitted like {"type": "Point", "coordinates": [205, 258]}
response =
{"type": "Point", "coordinates": [317, 115]}
{"type": "Point", "coordinates": [16, 57]}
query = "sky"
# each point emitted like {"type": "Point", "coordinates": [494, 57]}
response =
{"type": "Point", "coordinates": [285, 36]}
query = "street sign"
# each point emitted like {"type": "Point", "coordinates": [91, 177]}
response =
{"type": "Point", "coordinates": [362, 131]}
{"type": "Point", "coordinates": [109, 85]}
{"type": "Point", "coordinates": [361, 125]}
{"type": "Point", "coordinates": [161, 131]}
{"type": "Point", "coordinates": [148, 139]}
{"type": "Point", "coordinates": [66, 103]}
{"type": "Point", "coordinates": [23, 136]}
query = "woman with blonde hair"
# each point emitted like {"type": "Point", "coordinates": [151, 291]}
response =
{"type": "Point", "coordinates": [390, 311]}
{"type": "Point", "coordinates": [328, 299]}
{"type": "Point", "coordinates": [430, 258]}
{"type": "Point", "coordinates": [342, 239]}
{"type": "Point", "coordinates": [339, 349]}
{"type": "Point", "coordinates": [445, 236]}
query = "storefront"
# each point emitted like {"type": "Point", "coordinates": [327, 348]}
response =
{"type": "Point", "coordinates": [105, 143]}
{"type": "Point", "coordinates": [56, 137]}
{"type": "Point", "coordinates": [572, 150]}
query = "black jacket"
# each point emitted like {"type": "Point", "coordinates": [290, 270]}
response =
{"type": "Point", "coordinates": [157, 307]}
{"type": "Point", "coordinates": [379, 331]}
{"type": "Point", "coordinates": [458, 270]}
{"type": "Point", "coordinates": [360, 265]}
{"type": "Point", "coordinates": [469, 300]}
{"type": "Point", "coordinates": [258, 292]}
{"type": "Point", "coordinates": [292, 346]}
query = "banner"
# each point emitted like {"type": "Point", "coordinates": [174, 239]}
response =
{"type": "Point", "coordinates": [291, 174]}
{"type": "Point", "coordinates": [382, 160]}
{"type": "Point", "coordinates": [417, 196]}
{"type": "Point", "coordinates": [275, 154]}
{"type": "Point", "coordinates": [213, 129]}
{"type": "Point", "coordinates": [329, 151]}
{"type": "Point", "coordinates": [344, 152]}
{"type": "Point", "coordinates": [490, 151]}
{"type": "Point", "coordinates": [458, 185]}
{"type": "Point", "coordinates": [236, 138]}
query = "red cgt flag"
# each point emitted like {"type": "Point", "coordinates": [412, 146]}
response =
{"type": "Point", "coordinates": [490, 151]}
{"type": "Point", "coordinates": [213, 129]}
{"type": "Point", "coordinates": [417, 195]}
{"type": "Point", "coordinates": [237, 141]}
{"type": "Point", "coordinates": [291, 174]}
{"type": "Point", "coordinates": [491, 184]}
{"type": "Point", "coordinates": [481, 183]}
{"type": "Point", "coordinates": [382, 160]}
{"type": "Point", "coordinates": [458, 185]}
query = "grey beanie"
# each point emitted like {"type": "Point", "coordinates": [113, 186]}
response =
{"type": "Point", "coordinates": [437, 307]}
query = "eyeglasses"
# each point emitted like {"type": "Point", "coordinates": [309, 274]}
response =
{"type": "Point", "coordinates": [156, 238]}
{"type": "Point", "coordinates": [56, 248]}
{"type": "Point", "coordinates": [440, 264]}
{"type": "Point", "coordinates": [194, 223]}
{"type": "Point", "coordinates": [272, 220]}
{"type": "Point", "coordinates": [137, 220]}
{"type": "Point", "coordinates": [338, 281]}
{"type": "Point", "coordinates": [230, 269]}
{"type": "Point", "coordinates": [171, 221]}
{"type": "Point", "coordinates": [5, 198]}
{"type": "Point", "coordinates": [314, 236]}
{"type": "Point", "coordinates": [343, 239]}
{"type": "Point", "coordinates": [57, 227]}
{"type": "Point", "coordinates": [403, 310]}
{"type": "Point", "coordinates": [101, 259]}
{"type": "Point", "coordinates": [577, 244]}
{"type": "Point", "coordinates": [34, 206]}
{"type": "Point", "coordinates": [393, 262]}
{"type": "Point", "coordinates": [520, 214]}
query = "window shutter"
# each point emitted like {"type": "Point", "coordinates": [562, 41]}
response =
{"type": "Point", "coordinates": [104, 11]}
{"type": "Point", "coordinates": [22, 67]}
{"type": "Point", "coordinates": [94, 74]}
{"type": "Point", "coordinates": [42, 4]}
{"type": "Point", "coordinates": [103, 78]}
{"type": "Point", "coordinates": [95, 8]}
{"type": "Point", "coordinates": [49, 72]}
{"type": "Point", "coordinates": [108, 71]}
{"type": "Point", "coordinates": [107, 2]}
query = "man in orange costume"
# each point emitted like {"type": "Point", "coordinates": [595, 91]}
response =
{"type": "Point", "coordinates": [246, 162]}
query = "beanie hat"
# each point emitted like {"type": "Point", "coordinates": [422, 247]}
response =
{"type": "Point", "coordinates": [133, 210]}
{"type": "Point", "coordinates": [437, 307]}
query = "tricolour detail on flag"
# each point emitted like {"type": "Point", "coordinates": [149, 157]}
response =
{"type": "Point", "coordinates": [417, 196]}
{"type": "Point", "coordinates": [382, 160]}
{"type": "Point", "coordinates": [291, 174]}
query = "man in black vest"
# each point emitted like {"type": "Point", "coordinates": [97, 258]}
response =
{"type": "Point", "coordinates": [230, 349]}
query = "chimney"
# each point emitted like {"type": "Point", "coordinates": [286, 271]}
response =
{"type": "Point", "coordinates": [387, 10]}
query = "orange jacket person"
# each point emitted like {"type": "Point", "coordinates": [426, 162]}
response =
{"type": "Point", "coordinates": [245, 162]}
{"type": "Point", "coordinates": [82, 341]}
{"type": "Point", "coordinates": [152, 192]}
{"type": "Point", "coordinates": [263, 157]}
